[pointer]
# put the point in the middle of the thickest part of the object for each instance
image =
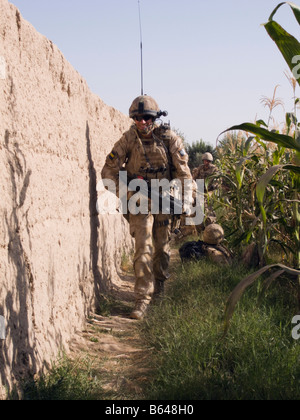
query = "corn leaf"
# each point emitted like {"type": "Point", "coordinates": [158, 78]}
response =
{"type": "Point", "coordinates": [247, 146]}
{"type": "Point", "coordinates": [280, 139]}
{"type": "Point", "coordinates": [270, 279]}
{"type": "Point", "coordinates": [267, 177]}
{"type": "Point", "coordinates": [264, 181]}
{"type": "Point", "coordinates": [286, 43]}
{"type": "Point", "coordinates": [293, 168]}
{"type": "Point", "coordinates": [248, 281]}
{"type": "Point", "coordinates": [240, 171]}
{"type": "Point", "coordinates": [294, 7]}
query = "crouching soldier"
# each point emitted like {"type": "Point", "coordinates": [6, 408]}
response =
{"type": "Point", "coordinates": [149, 151]}
{"type": "Point", "coordinates": [211, 247]}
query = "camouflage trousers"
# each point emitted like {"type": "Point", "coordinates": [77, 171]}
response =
{"type": "Point", "coordinates": [152, 234]}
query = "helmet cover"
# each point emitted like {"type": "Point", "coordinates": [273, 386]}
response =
{"type": "Point", "coordinates": [144, 105]}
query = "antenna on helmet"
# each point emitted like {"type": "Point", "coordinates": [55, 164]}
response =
{"type": "Point", "coordinates": [141, 46]}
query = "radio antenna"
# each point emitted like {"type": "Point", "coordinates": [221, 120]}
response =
{"type": "Point", "coordinates": [141, 46]}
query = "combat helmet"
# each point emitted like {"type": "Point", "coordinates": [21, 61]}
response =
{"type": "Point", "coordinates": [208, 156]}
{"type": "Point", "coordinates": [145, 105]}
{"type": "Point", "coordinates": [213, 234]}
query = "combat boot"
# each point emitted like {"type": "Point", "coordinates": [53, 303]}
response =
{"type": "Point", "coordinates": [159, 289]}
{"type": "Point", "coordinates": [139, 310]}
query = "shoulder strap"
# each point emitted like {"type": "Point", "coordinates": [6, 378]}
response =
{"type": "Point", "coordinates": [161, 134]}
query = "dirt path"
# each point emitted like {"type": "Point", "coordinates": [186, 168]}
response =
{"type": "Point", "coordinates": [112, 343]}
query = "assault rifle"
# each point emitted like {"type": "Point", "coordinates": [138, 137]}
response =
{"type": "Point", "coordinates": [166, 203]}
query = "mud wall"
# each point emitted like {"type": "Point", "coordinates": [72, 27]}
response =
{"type": "Point", "coordinates": [56, 254]}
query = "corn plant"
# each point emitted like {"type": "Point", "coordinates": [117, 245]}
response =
{"type": "Point", "coordinates": [290, 48]}
{"type": "Point", "coordinates": [244, 185]}
{"type": "Point", "coordinates": [271, 103]}
{"type": "Point", "coordinates": [238, 162]}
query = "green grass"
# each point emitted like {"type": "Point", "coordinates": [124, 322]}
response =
{"type": "Point", "coordinates": [191, 360]}
{"type": "Point", "coordinates": [66, 380]}
{"type": "Point", "coordinates": [109, 305]}
{"type": "Point", "coordinates": [258, 359]}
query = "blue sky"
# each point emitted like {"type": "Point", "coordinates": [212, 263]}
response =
{"type": "Point", "coordinates": [208, 63]}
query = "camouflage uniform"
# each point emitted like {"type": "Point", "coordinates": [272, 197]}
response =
{"type": "Point", "coordinates": [160, 157]}
{"type": "Point", "coordinates": [203, 172]}
{"type": "Point", "coordinates": [210, 247]}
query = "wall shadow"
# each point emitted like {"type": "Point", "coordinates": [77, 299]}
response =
{"type": "Point", "coordinates": [99, 284]}
{"type": "Point", "coordinates": [17, 355]}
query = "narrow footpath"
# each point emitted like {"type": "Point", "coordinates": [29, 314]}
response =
{"type": "Point", "coordinates": [112, 344]}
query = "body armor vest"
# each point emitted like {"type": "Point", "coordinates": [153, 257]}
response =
{"type": "Point", "coordinates": [149, 158]}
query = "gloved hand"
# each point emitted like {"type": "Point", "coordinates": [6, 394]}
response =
{"type": "Point", "coordinates": [187, 208]}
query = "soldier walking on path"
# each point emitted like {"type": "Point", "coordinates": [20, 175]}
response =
{"type": "Point", "coordinates": [149, 151]}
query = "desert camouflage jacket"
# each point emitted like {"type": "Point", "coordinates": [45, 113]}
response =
{"type": "Point", "coordinates": [162, 156]}
{"type": "Point", "coordinates": [203, 172]}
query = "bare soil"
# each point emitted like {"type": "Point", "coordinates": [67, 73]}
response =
{"type": "Point", "coordinates": [119, 358]}
{"type": "Point", "coordinates": [112, 341]}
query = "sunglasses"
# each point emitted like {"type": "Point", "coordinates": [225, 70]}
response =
{"type": "Point", "coordinates": [143, 117]}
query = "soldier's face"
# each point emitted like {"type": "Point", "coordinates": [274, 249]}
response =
{"type": "Point", "coordinates": [144, 123]}
{"type": "Point", "coordinates": [206, 163]}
